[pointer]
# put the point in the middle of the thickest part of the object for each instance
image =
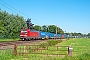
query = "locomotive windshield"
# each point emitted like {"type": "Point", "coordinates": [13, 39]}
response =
{"type": "Point", "coordinates": [24, 32]}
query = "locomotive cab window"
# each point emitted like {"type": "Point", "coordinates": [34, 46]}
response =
{"type": "Point", "coordinates": [24, 32]}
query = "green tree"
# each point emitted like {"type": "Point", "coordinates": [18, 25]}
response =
{"type": "Point", "coordinates": [60, 31]}
{"type": "Point", "coordinates": [10, 25]}
{"type": "Point", "coordinates": [44, 28]}
{"type": "Point", "coordinates": [55, 29]}
{"type": "Point", "coordinates": [52, 28]}
{"type": "Point", "coordinates": [37, 27]}
{"type": "Point", "coordinates": [88, 34]}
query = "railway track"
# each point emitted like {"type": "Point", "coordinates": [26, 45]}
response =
{"type": "Point", "coordinates": [5, 45]}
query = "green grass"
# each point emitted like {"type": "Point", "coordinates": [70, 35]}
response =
{"type": "Point", "coordinates": [6, 54]}
{"type": "Point", "coordinates": [80, 46]}
{"type": "Point", "coordinates": [8, 40]}
{"type": "Point", "coordinates": [81, 51]}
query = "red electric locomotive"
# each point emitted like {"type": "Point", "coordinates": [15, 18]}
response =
{"type": "Point", "coordinates": [27, 34]}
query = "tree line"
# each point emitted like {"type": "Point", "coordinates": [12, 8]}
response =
{"type": "Point", "coordinates": [78, 34]}
{"type": "Point", "coordinates": [49, 28]}
{"type": "Point", "coordinates": [10, 25]}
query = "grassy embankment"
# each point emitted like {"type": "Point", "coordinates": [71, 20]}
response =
{"type": "Point", "coordinates": [81, 51]}
{"type": "Point", "coordinates": [8, 40]}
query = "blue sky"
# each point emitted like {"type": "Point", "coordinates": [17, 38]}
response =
{"type": "Point", "coordinates": [70, 15]}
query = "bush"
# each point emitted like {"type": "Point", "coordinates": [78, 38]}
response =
{"type": "Point", "coordinates": [53, 42]}
{"type": "Point", "coordinates": [43, 45]}
{"type": "Point", "coordinates": [49, 43]}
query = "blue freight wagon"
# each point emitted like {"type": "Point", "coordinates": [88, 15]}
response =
{"type": "Point", "coordinates": [60, 35]}
{"type": "Point", "coordinates": [57, 35]}
{"type": "Point", "coordinates": [44, 35]}
{"type": "Point", "coordinates": [51, 35]}
{"type": "Point", "coordinates": [66, 35]}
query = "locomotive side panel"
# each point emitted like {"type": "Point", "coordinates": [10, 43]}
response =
{"type": "Point", "coordinates": [34, 35]}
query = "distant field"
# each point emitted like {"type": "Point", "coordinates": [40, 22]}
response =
{"type": "Point", "coordinates": [81, 51]}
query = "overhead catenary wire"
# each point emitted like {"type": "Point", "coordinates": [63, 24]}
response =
{"type": "Point", "coordinates": [7, 7]}
{"type": "Point", "coordinates": [14, 10]}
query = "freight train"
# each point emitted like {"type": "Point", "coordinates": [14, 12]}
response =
{"type": "Point", "coordinates": [27, 34]}
{"type": "Point", "coordinates": [31, 34]}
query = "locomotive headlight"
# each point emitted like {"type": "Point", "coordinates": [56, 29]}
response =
{"type": "Point", "coordinates": [23, 35]}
